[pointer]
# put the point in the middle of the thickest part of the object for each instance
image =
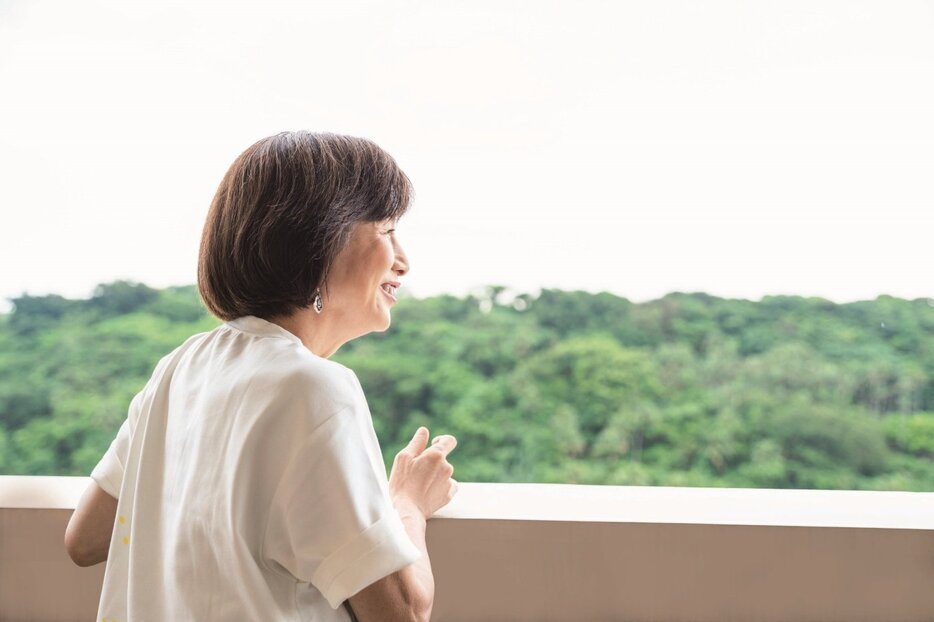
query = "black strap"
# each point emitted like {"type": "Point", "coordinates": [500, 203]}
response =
{"type": "Point", "coordinates": [353, 616]}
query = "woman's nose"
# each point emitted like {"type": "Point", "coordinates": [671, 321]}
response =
{"type": "Point", "coordinates": [401, 264]}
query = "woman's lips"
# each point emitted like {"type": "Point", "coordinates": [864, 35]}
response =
{"type": "Point", "coordinates": [387, 294]}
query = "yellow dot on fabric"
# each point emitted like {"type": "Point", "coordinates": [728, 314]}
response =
{"type": "Point", "coordinates": [122, 520]}
{"type": "Point", "coordinates": [125, 541]}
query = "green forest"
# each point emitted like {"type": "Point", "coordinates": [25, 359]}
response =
{"type": "Point", "coordinates": [561, 386]}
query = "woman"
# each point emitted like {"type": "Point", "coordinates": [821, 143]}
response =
{"type": "Point", "coordinates": [247, 481]}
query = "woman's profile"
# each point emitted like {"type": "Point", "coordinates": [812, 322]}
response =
{"type": "Point", "coordinates": [247, 481]}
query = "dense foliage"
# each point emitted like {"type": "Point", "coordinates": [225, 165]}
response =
{"type": "Point", "coordinates": [686, 390]}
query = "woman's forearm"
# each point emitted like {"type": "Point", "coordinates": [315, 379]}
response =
{"type": "Point", "coordinates": [415, 525]}
{"type": "Point", "coordinates": [88, 533]}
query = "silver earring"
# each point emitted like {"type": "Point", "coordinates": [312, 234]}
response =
{"type": "Point", "coordinates": [319, 306]}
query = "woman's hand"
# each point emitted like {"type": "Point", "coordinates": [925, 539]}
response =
{"type": "Point", "coordinates": [421, 477]}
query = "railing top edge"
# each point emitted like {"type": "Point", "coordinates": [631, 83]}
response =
{"type": "Point", "coordinates": [595, 503]}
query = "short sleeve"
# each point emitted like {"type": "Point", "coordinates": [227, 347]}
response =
{"type": "Point", "coordinates": [332, 523]}
{"type": "Point", "coordinates": [109, 471]}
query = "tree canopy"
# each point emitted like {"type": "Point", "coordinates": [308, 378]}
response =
{"type": "Point", "coordinates": [571, 387]}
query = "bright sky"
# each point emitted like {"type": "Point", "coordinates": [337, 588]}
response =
{"type": "Point", "coordinates": [737, 148]}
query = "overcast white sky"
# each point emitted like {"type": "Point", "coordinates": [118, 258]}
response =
{"type": "Point", "coordinates": [736, 148]}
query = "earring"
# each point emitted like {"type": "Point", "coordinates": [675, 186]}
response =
{"type": "Point", "coordinates": [319, 306]}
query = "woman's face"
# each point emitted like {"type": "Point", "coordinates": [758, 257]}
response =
{"type": "Point", "coordinates": [363, 276]}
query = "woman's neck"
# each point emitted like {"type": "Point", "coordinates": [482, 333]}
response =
{"type": "Point", "coordinates": [321, 333]}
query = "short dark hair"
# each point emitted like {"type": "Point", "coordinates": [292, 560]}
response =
{"type": "Point", "coordinates": [284, 209]}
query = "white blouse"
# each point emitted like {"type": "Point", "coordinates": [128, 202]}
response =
{"type": "Point", "coordinates": [250, 486]}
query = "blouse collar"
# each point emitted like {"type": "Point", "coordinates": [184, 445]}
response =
{"type": "Point", "coordinates": [260, 327]}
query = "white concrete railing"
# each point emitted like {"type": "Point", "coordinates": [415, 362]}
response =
{"type": "Point", "coordinates": [572, 552]}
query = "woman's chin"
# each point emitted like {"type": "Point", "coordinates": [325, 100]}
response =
{"type": "Point", "coordinates": [385, 322]}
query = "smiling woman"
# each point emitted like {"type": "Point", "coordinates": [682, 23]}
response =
{"type": "Point", "coordinates": [247, 481]}
{"type": "Point", "coordinates": [284, 210]}
{"type": "Point", "coordinates": [361, 290]}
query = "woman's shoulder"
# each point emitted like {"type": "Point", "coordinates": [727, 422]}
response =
{"type": "Point", "coordinates": [331, 385]}
{"type": "Point", "coordinates": [303, 367]}
{"type": "Point", "coordinates": [170, 360]}
{"type": "Point", "coordinates": [278, 374]}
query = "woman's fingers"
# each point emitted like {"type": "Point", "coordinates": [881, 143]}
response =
{"type": "Point", "coordinates": [417, 444]}
{"type": "Point", "coordinates": [444, 443]}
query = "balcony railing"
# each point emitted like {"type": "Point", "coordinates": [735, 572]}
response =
{"type": "Point", "coordinates": [569, 552]}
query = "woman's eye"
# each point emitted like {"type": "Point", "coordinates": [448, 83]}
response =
{"type": "Point", "coordinates": [389, 231]}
